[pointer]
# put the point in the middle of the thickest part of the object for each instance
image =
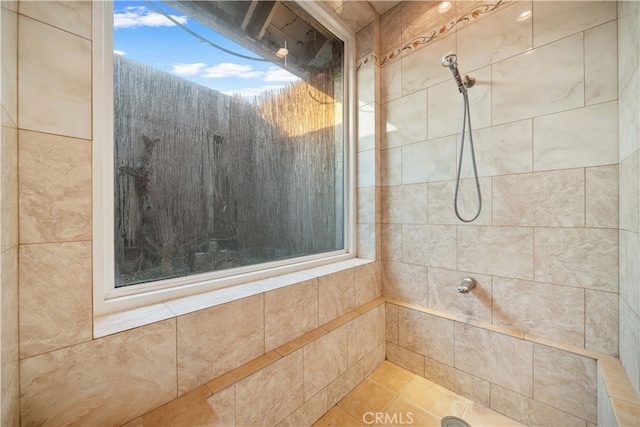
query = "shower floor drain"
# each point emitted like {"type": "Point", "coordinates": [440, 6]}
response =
{"type": "Point", "coordinates": [452, 421]}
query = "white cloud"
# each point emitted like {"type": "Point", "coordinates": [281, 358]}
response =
{"type": "Point", "coordinates": [276, 74]}
{"type": "Point", "coordinates": [119, 52]}
{"type": "Point", "coordinates": [187, 69]}
{"type": "Point", "coordinates": [133, 17]}
{"type": "Point", "coordinates": [249, 92]}
{"type": "Point", "coordinates": [227, 69]}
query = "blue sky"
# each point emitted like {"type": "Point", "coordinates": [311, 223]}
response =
{"type": "Point", "coordinates": [144, 35]}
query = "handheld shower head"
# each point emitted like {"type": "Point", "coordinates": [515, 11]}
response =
{"type": "Point", "coordinates": [450, 60]}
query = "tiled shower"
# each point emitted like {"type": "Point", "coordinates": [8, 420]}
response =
{"type": "Point", "coordinates": [555, 251]}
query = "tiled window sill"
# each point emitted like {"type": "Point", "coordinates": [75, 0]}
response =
{"type": "Point", "coordinates": [137, 317]}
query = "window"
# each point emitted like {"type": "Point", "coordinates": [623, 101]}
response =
{"type": "Point", "coordinates": [223, 149]}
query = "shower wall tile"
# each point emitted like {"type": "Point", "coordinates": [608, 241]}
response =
{"type": "Point", "coordinates": [423, 68]}
{"type": "Point", "coordinates": [630, 193]}
{"type": "Point", "coordinates": [391, 27]}
{"type": "Point", "coordinates": [367, 242]}
{"type": "Point", "coordinates": [405, 358]}
{"type": "Point", "coordinates": [404, 204]}
{"type": "Point", "coordinates": [290, 312]}
{"type": "Point", "coordinates": [428, 161]}
{"type": "Point", "coordinates": [391, 166]}
{"type": "Point", "coordinates": [9, 66]}
{"type": "Point", "coordinates": [552, 199]}
{"type": "Point", "coordinates": [577, 138]}
{"type": "Point", "coordinates": [10, 389]}
{"type": "Point", "coordinates": [629, 268]}
{"type": "Point", "coordinates": [235, 335]}
{"type": "Point", "coordinates": [429, 245]}
{"type": "Point", "coordinates": [272, 393]}
{"type": "Point", "coordinates": [459, 381]}
{"type": "Point", "coordinates": [629, 117]}
{"type": "Point", "coordinates": [366, 333]}
{"type": "Point", "coordinates": [426, 334]}
{"type": "Point", "coordinates": [445, 105]}
{"type": "Point", "coordinates": [529, 411]}
{"type": "Point", "coordinates": [367, 206]}
{"type": "Point", "coordinates": [74, 17]}
{"type": "Point", "coordinates": [9, 195]}
{"type": "Point", "coordinates": [441, 199]}
{"type": "Point", "coordinates": [500, 359]}
{"type": "Point", "coordinates": [365, 40]}
{"type": "Point", "coordinates": [550, 311]}
{"type": "Point", "coordinates": [495, 38]}
{"type": "Point", "coordinates": [405, 120]}
{"type": "Point", "coordinates": [137, 367]}
{"type": "Point", "coordinates": [420, 16]}
{"type": "Point", "coordinates": [629, 345]}
{"type": "Point", "coordinates": [55, 296]}
{"type": "Point", "coordinates": [501, 251]}
{"type": "Point", "coordinates": [390, 80]}
{"type": "Point", "coordinates": [392, 242]}
{"type": "Point", "coordinates": [584, 258]}
{"type": "Point", "coordinates": [307, 414]}
{"type": "Point", "coordinates": [55, 188]}
{"type": "Point", "coordinates": [391, 323]}
{"type": "Point", "coordinates": [558, 19]}
{"type": "Point", "coordinates": [601, 63]}
{"type": "Point", "coordinates": [324, 360]}
{"type": "Point", "coordinates": [526, 92]}
{"type": "Point", "coordinates": [336, 295]}
{"type": "Point", "coordinates": [366, 84]}
{"type": "Point", "coordinates": [501, 150]}
{"type": "Point", "coordinates": [60, 105]}
{"type": "Point", "coordinates": [601, 322]}
{"type": "Point", "coordinates": [443, 294]}
{"type": "Point", "coordinates": [565, 381]}
{"type": "Point", "coordinates": [9, 328]}
{"type": "Point", "coordinates": [602, 197]}
{"type": "Point", "coordinates": [628, 47]}
{"type": "Point", "coordinates": [367, 283]}
{"type": "Point", "coordinates": [367, 126]}
{"type": "Point", "coordinates": [405, 282]}
{"type": "Point", "coordinates": [367, 165]}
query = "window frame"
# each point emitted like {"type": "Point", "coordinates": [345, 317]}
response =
{"type": "Point", "coordinates": [106, 297]}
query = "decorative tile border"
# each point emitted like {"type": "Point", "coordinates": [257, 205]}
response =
{"type": "Point", "coordinates": [419, 42]}
{"type": "Point", "coordinates": [368, 59]}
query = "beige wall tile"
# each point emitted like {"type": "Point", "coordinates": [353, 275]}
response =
{"type": "Point", "coordinates": [443, 294]}
{"type": "Point", "coordinates": [368, 284]}
{"type": "Point", "coordinates": [391, 166]}
{"type": "Point", "coordinates": [501, 251]}
{"type": "Point", "coordinates": [309, 413]}
{"type": "Point", "coordinates": [427, 161]}
{"type": "Point", "coordinates": [366, 210]}
{"type": "Point", "coordinates": [405, 120]}
{"type": "Point", "coordinates": [270, 395]}
{"type": "Point", "coordinates": [55, 296]}
{"type": "Point", "coordinates": [344, 383]}
{"type": "Point", "coordinates": [405, 358]}
{"type": "Point", "coordinates": [429, 335]}
{"type": "Point", "coordinates": [434, 398]}
{"type": "Point", "coordinates": [628, 47]}
{"type": "Point", "coordinates": [555, 20]}
{"type": "Point", "coordinates": [234, 335]}
{"type": "Point", "coordinates": [606, 417]}
{"type": "Point", "coordinates": [544, 92]}
{"type": "Point", "coordinates": [459, 381]}
{"type": "Point", "coordinates": [9, 194]}
{"type": "Point", "coordinates": [630, 193]}
{"type": "Point", "coordinates": [74, 16]}
{"type": "Point", "coordinates": [576, 138]}
{"type": "Point", "coordinates": [423, 68]}
{"type": "Point", "coordinates": [445, 104]}
{"type": "Point", "coordinates": [602, 196]}
{"type": "Point", "coordinates": [290, 312]}
{"type": "Point", "coordinates": [224, 405]}
{"type": "Point", "coordinates": [337, 295]}
{"type": "Point", "coordinates": [496, 37]}
{"type": "Point", "coordinates": [366, 333]}
{"type": "Point", "coordinates": [365, 40]}
{"type": "Point", "coordinates": [366, 169]}
{"type": "Point", "coordinates": [324, 360]}
{"type": "Point", "coordinates": [417, 17]}
{"type": "Point", "coordinates": [390, 77]}
{"type": "Point", "coordinates": [601, 322]}
{"type": "Point", "coordinates": [555, 198]}
{"type": "Point", "coordinates": [189, 409]}
{"type": "Point", "coordinates": [479, 415]}
{"type": "Point", "coordinates": [629, 268]}
{"type": "Point", "coordinates": [9, 66]}
{"type": "Point", "coordinates": [137, 367]}
{"type": "Point", "coordinates": [55, 188]}
{"type": "Point", "coordinates": [372, 360]}
{"type": "Point", "coordinates": [550, 311]}
{"type": "Point", "coordinates": [629, 117]}
{"type": "Point", "coordinates": [60, 105]}
{"type": "Point", "coordinates": [391, 27]}
{"type": "Point", "coordinates": [429, 245]}
{"type": "Point", "coordinates": [585, 258]}
{"type": "Point", "coordinates": [9, 338]}
{"type": "Point", "coordinates": [391, 242]}
{"type": "Point", "coordinates": [441, 207]}
{"type": "Point", "coordinates": [391, 322]}
{"type": "Point", "coordinates": [500, 359]}
{"type": "Point", "coordinates": [601, 63]}
{"type": "Point", "coordinates": [406, 282]}
{"type": "Point", "coordinates": [365, 84]}
{"type": "Point", "coordinates": [367, 126]}
{"type": "Point", "coordinates": [10, 415]}
{"type": "Point", "coordinates": [629, 345]}
{"type": "Point", "coordinates": [529, 411]}
{"type": "Point", "coordinates": [368, 244]}
{"type": "Point", "coordinates": [404, 204]}
{"type": "Point", "coordinates": [565, 381]}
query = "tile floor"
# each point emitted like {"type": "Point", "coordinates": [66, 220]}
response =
{"type": "Point", "coordinates": [393, 396]}
{"type": "Point", "coordinates": [390, 396]}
